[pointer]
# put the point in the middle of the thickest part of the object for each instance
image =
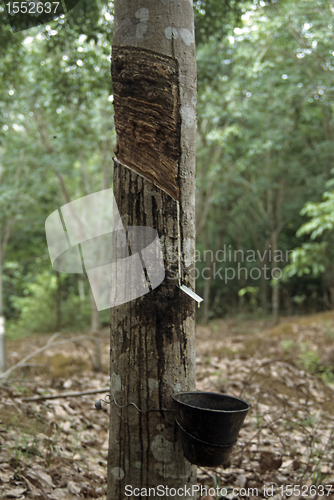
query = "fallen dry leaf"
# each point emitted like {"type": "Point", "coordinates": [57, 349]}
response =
{"type": "Point", "coordinates": [15, 492]}
{"type": "Point", "coordinates": [269, 461]}
{"type": "Point", "coordinates": [74, 488]}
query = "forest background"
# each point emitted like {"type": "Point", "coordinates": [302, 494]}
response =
{"type": "Point", "coordinates": [265, 188]}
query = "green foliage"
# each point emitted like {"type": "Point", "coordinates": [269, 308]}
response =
{"type": "Point", "coordinates": [209, 15]}
{"type": "Point", "coordinates": [315, 257]}
{"type": "Point", "coordinates": [287, 345]}
{"type": "Point", "coordinates": [310, 258]}
{"type": "Point", "coordinates": [265, 135]}
{"type": "Point", "coordinates": [56, 139]}
{"type": "Point", "coordinates": [306, 358]}
{"type": "Point", "coordinates": [38, 308]}
{"type": "Point", "coordinates": [248, 289]}
{"type": "Point", "coordinates": [265, 132]}
{"type": "Point", "coordinates": [321, 214]}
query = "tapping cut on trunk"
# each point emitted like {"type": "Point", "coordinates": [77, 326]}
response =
{"type": "Point", "coordinates": [147, 115]}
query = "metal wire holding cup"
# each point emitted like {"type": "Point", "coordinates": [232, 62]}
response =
{"type": "Point", "coordinates": [108, 401]}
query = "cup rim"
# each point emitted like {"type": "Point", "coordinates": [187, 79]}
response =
{"type": "Point", "coordinates": [174, 398]}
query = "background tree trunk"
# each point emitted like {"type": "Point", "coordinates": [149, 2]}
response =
{"type": "Point", "coordinates": [275, 286]}
{"type": "Point", "coordinates": [206, 299]}
{"type": "Point", "coordinates": [153, 337]}
{"type": "Point", "coordinates": [95, 328]}
{"type": "Point", "coordinates": [2, 320]}
{"type": "Point", "coordinates": [2, 326]}
{"type": "Point", "coordinates": [58, 303]}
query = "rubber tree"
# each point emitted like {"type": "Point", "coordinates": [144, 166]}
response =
{"type": "Point", "coordinates": [152, 338]}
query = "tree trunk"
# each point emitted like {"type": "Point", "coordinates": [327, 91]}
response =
{"type": "Point", "coordinates": [2, 328]}
{"type": "Point", "coordinates": [331, 293]}
{"type": "Point", "coordinates": [287, 300]}
{"type": "Point", "coordinates": [275, 286]}
{"type": "Point", "coordinates": [2, 345]}
{"type": "Point", "coordinates": [58, 304]}
{"type": "Point", "coordinates": [95, 327]}
{"type": "Point", "coordinates": [206, 300]}
{"type": "Point", "coordinates": [81, 288]}
{"type": "Point", "coordinates": [264, 295]}
{"type": "Point", "coordinates": [153, 337]}
{"type": "Point", "coordinates": [2, 322]}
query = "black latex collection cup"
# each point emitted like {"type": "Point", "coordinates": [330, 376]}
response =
{"type": "Point", "coordinates": [209, 424]}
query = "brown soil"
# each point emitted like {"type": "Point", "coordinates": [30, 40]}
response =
{"type": "Point", "coordinates": [58, 448]}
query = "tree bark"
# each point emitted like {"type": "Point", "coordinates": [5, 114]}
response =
{"type": "Point", "coordinates": [2, 343]}
{"type": "Point", "coordinates": [153, 337]}
{"type": "Point", "coordinates": [2, 317]}
{"type": "Point", "coordinates": [2, 322]}
{"type": "Point", "coordinates": [95, 327]}
{"type": "Point", "coordinates": [263, 250]}
{"type": "Point", "coordinates": [275, 286]}
{"type": "Point", "coordinates": [206, 299]}
{"type": "Point", "coordinates": [58, 303]}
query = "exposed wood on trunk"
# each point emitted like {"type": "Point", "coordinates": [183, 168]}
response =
{"type": "Point", "coordinates": [147, 116]}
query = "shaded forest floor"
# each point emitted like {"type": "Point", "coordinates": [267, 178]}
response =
{"type": "Point", "coordinates": [57, 449]}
